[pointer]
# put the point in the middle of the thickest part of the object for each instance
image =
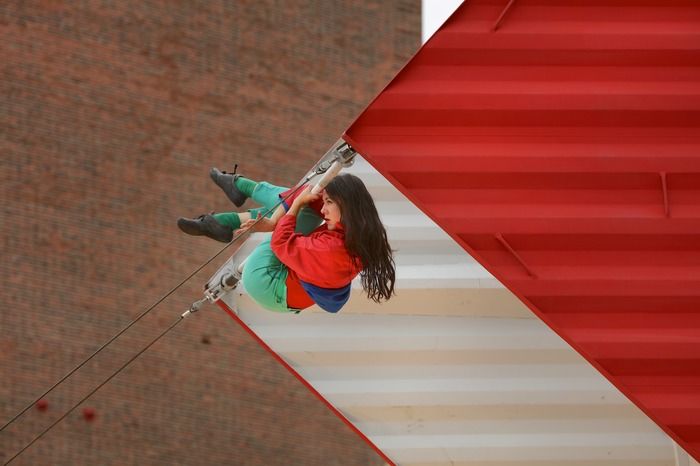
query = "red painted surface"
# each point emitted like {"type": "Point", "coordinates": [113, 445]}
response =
{"type": "Point", "coordinates": [563, 152]}
{"type": "Point", "coordinates": [304, 382]}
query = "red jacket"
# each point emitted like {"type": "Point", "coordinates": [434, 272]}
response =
{"type": "Point", "coordinates": [320, 259]}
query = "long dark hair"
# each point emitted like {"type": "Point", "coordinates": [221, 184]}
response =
{"type": "Point", "coordinates": [365, 236]}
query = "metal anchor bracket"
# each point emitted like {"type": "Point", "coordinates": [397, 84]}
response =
{"type": "Point", "coordinates": [346, 154]}
{"type": "Point", "coordinates": [341, 152]}
{"type": "Point", "coordinates": [340, 156]}
{"type": "Point", "coordinates": [228, 282]}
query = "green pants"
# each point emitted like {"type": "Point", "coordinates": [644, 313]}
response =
{"type": "Point", "coordinates": [264, 276]}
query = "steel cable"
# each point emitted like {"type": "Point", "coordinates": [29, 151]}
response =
{"type": "Point", "coordinates": [318, 169]}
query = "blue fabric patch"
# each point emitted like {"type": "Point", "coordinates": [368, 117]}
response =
{"type": "Point", "coordinates": [328, 299]}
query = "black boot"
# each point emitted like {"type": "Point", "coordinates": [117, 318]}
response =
{"type": "Point", "coordinates": [206, 225]}
{"type": "Point", "coordinates": [227, 182]}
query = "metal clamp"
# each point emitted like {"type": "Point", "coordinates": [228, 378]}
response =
{"type": "Point", "coordinates": [346, 154]}
{"type": "Point", "coordinates": [341, 152]}
{"type": "Point", "coordinates": [196, 306]}
{"type": "Point", "coordinates": [342, 156]}
{"type": "Point", "coordinates": [228, 282]}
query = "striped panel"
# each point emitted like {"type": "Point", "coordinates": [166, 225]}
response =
{"type": "Point", "coordinates": [561, 149]}
{"type": "Point", "coordinates": [454, 369]}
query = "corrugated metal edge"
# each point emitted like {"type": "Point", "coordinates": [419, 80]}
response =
{"type": "Point", "coordinates": [368, 157]}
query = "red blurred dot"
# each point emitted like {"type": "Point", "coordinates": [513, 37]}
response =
{"type": "Point", "coordinates": [42, 405]}
{"type": "Point", "coordinates": [89, 414]}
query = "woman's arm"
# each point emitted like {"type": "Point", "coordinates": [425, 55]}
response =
{"type": "Point", "coordinates": [268, 224]}
{"type": "Point", "coordinates": [305, 197]}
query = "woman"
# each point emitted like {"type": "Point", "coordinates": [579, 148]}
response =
{"type": "Point", "coordinates": [302, 263]}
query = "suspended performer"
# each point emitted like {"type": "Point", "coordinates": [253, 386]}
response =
{"type": "Point", "coordinates": [319, 242]}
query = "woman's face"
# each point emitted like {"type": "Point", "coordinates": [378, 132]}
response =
{"type": "Point", "coordinates": [330, 211]}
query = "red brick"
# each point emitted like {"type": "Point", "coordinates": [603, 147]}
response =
{"type": "Point", "coordinates": [112, 114]}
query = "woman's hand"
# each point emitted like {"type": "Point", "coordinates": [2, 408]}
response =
{"type": "Point", "coordinates": [264, 225]}
{"type": "Point", "coordinates": [304, 198]}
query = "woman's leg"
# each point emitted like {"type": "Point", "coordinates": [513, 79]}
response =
{"type": "Point", "coordinates": [238, 188]}
{"type": "Point", "coordinates": [235, 219]}
{"type": "Point", "coordinates": [265, 277]}
{"type": "Point", "coordinates": [264, 193]}
{"type": "Point", "coordinates": [307, 220]}
{"type": "Point", "coordinates": [221, 226]}
{"type": "Point", "coordinates": [267, 194]}
{"type": "Point", "coordinates": [232, 219]}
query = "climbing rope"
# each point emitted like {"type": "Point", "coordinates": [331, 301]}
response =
{"type": "Point", "coordinates": [172, 326]}
{"type": "Point", "coordinates": [139, 317]}
{"type": "Point", "coordinates": [344, 156]}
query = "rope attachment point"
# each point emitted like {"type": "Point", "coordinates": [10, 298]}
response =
{"type": "Point", "coordinates": [228, 282]}
{"type": "Point", "coordinates": [342, 156]}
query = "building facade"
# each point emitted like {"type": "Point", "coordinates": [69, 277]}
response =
{"type": "Point", "coordinates": [112, 114]}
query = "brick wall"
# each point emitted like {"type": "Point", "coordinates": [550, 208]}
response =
{"type": "Point", "coordinates": [112, 113]}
